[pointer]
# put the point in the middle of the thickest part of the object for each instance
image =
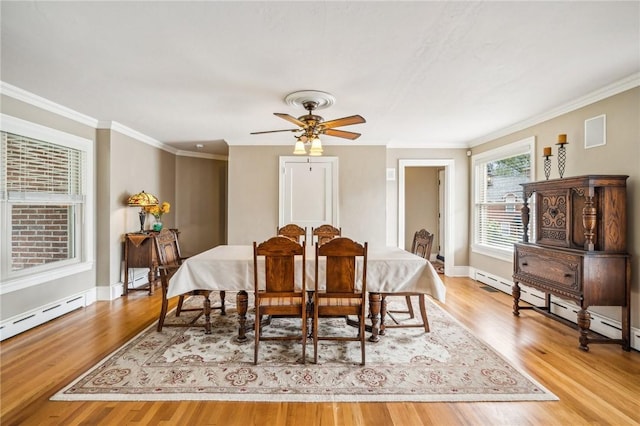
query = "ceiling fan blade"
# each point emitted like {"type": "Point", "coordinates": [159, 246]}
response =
{"type": "Point", "coordinates": [274, 131]}
{"type": "Point", "coordinates": [341, 134]}
{"type": "Point", "coordinates": [344, 121]}
{"type": "Point", "coordinates": [290, 118]}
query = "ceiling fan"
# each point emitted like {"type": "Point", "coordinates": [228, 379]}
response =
{"type": "Point", "coordinates": [311, 126]}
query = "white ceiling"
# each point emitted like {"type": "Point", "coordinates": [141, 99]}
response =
{"type": "Point", "coordinates": [423, 74]}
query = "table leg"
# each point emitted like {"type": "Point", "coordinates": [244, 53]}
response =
{"type": "Point", "coordinates": [242, 304]}
{"type": "Point", "coordinates": [383, 314]}
{"type": "Point", "coordinates": [374, 313]}
{"type": "Point", "coordinates": [223, 309]}
{"type": "Point", "coordinates": [207, 314]}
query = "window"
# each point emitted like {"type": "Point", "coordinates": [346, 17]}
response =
{"type": "Point", "coordinates": [43, 195]}
{"type": "Point", "coordinates": [497, 197]}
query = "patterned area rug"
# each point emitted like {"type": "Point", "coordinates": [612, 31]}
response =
{"type": "Point", "coordinates": [438, 266]}
{"type": "Point", "coordinates": [407, 364]}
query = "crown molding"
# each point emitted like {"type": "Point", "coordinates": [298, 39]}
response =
{"type": "Point", "coordinates": [127, 131]}
{"type": "Point", "coordinates": [427, 145]}
{"type": "Point", "coordinates": [45, 104]}
{"type": "Point", "coordinates": [595, 96]}
{"type": "Point", "coordinates": [183, 153]}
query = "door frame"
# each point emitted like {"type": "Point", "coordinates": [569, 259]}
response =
{"type": "Point", "coordinates": [333, 161]}
{"type": "Point", "coordinates": [449, 166]}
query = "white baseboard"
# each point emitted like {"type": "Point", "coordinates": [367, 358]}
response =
{"type": "Point", "coordinates": [457, 271]}
{"type": "Point", "coordinates": [35, 317]}
{"type": "Point", "coordinates": [564, 308]}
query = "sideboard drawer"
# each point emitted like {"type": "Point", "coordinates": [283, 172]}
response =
{"type": "Point", "coordinates": [557, 270]}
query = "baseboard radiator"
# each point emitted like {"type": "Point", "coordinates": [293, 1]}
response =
{"type": "Point", "coordinates": [35, 317]}
{"type": "Point", "coordinates": [563, 308]}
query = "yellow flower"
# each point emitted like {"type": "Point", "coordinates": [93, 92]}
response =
{"type": "Point", "coordinates": [158, 211]}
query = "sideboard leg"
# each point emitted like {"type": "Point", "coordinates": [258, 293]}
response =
{"type": "Point", "coordinates": [584, 322]}
{"type": "Point", "coordinates": [515, 292]}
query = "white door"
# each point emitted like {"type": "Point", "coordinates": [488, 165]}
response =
{"type": "Point", "coordinates": [308, 191]}
{"type": "Point", "coordinates": [441, 203]}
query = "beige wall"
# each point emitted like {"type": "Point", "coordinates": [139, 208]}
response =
{"type": "Point", "coordinates": [201, 208]}
{"type": "Point", "coordinates": [254, 189]}
{"type": "Point", "coordinates": [621, 155]}
{"type": "Point", "coordinates": [134, 166]}
{"type": "Point", "coordinates": [195, 188]}
{"type": "Point", "coordinates": [421, 203]}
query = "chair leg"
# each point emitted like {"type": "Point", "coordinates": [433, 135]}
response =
{"type": "Point", "coordinates": [409, 306]}
{"type": "Point", "coordinates": [163, 309]}
{"type": "Point", "coordinates": [423, 312]}
{"type": "Point", "coordinates": [314, 326]}
{"type": "Point", "coordinates": [362, 335]}
{"type": "Point", "coordinates": [179, 307]}
{"type": "Point", "coordinates": [256, 332]}
{"type": "Point", "coordinates": [304, 333]}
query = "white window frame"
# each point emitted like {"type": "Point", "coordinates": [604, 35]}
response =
{"type": "Point", "coordinates": [522, 146]}
{"type": "Point", "coordinates": [85, 249]}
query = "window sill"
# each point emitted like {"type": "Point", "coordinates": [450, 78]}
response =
{"type": "Point", "coordinates": [501, 254]}
{"type": "Point", "coordinates": [20, 283]}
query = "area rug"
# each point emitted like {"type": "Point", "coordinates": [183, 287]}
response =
{"type": "Point", "coordinates": [447, 364]}
{"type": "Point", "coordinates": [438, 265]}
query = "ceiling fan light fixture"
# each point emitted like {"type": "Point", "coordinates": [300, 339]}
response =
{"type": "Point", "coordinates": [316, 147]}
{"type": "Point", "coordinates": [299, 148]}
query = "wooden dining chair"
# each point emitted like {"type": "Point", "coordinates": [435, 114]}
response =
{"type": "Point", "coordinates": [324, 233]}
{"type": "Point", "coordinates": [169, 260]}
{"type": "Point", "coordinates": [294, 232]}
{"type": "Point", "coordinates": [338, 295]}
{"type": "Point", "coordinates": [275, 291]}
{"type": "Point", "coordinates": [421, 246]}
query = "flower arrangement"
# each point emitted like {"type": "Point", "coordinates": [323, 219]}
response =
{"type": "Point", "coordinates": [158, 210]}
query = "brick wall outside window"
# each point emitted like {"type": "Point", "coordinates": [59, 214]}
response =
{"type": "Point", "coordinates": [40, 235]}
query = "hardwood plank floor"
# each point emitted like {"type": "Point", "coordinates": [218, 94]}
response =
{"type": "Point", "coordinates": [598, 387]}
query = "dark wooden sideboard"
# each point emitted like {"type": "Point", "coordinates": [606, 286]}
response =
{"type": "Point", "coordinates": [140, 252]}
{"type": "Point", "coordinates": [579, 249]}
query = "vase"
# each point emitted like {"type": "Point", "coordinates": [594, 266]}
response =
{"type": "Point", "coordinates": [157, 226]}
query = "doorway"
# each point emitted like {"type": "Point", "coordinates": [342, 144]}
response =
{"type": "Point", "coordinates": [446, 201]}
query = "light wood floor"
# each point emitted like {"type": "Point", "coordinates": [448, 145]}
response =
{"type": "Point", "coordinates": [598, 387]}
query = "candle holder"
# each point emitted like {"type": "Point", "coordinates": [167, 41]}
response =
{"type": "Point", "coordinates": [547, 166]}
{"type": "Point", "coordinates": [562, 158]}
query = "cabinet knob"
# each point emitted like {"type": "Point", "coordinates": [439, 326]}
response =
{"type": "Point", "coordinates": [525, 264]}
{"type": "Point", "coordinates": [567, 275]}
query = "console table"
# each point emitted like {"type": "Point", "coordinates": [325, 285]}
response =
{"type": "Point", "coordinates": [579, 252]}
{"type": "Point", "coordinates": [140, 252]}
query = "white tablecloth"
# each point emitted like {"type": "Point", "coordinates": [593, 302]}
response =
{"type": "Point", "coordinates": [230, 268]}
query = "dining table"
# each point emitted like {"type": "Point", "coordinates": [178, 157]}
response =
{"type": "Point", "coordinates": [229, 268]}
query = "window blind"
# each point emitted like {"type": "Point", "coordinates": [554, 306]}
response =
{"type": "Point", "coordinates": [37, 170]}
